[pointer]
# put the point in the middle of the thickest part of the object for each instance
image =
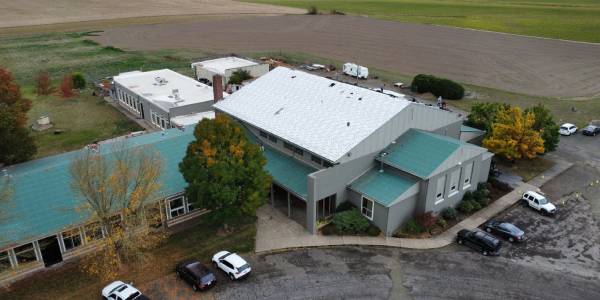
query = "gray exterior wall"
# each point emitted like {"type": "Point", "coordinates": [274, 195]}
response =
{"type": "Point", "coordinates": [380, 212]}
{"type": "Point", "coordinates": [331, 181]}
{"type": "Point", "coordinates": [191, 108]}
{"type": "Point", "coordinates": [415, 115]}
{"type": "Point", "coordinates": [400, 213]}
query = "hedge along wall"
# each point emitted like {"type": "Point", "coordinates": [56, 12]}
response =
{"type": "Point", "coordinates": [446, 88]}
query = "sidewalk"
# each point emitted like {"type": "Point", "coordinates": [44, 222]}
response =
{"type": "Point", "coordinates": [277, 232]}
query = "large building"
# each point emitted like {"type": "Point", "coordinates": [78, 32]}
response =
{"type": "Point", "coordinates": [390, 157]}
{"type": "Point", "coordinates": [164, 98]}
{"type": "Point", "coordinates": [225, 67]}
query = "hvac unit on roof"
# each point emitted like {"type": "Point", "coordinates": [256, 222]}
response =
{"type": "Point", "coordinates": [175, 93]}
{"type": "Point", "coordinates": [160, 81]}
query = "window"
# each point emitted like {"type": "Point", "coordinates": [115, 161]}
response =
{"type": "Point", "coordinates": [25, 254]}
{"type": "Point", "coordinates": [4, 262]}
{"type": "Point", "coordinates": [367, 208]}
{"type": "Point", "coordinates": [162, 123]}
{"type": "Point", "coordinates": [272, 138]}
{"type": "Point", "coordinates": [441, 186]}
{"type": "Point", "coordinates": [288, 146]}
{"type": "Point", "coordinates": [263, 134]}
{"type": "Point", "coordinates": [93, 232]}
{"type": "Point", "coordinates": [71, 239]}
{"type": "Point", "coordinates": [316, 159]}
{"type": "Point", "coordinates": [176, 207]}
{"type": "Point", "coordinates": [298, 151]}
{"type": "Point", "coordinates": [454, 178]}
{"type": "Point", "coordinates": [190, 205]}
{"type": "Point", "coordinates": [468, 174]}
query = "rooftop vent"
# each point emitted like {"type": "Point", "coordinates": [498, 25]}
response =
{"type": "Point", "coordinates": [348, 124]}
{"type": "Point", "coordinates": [294, 76]}
{"type": "Point", "coordinates": [278, 111]}
{"type": "Point", "coordinates": [332, 84]}
{"type": "Point", "coordinates": [160, 81]}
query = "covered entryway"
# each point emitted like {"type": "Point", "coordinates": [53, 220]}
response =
{"type": "Point", "coordinates": [326, 207]}
{"type": "Point", "coordinates": [289, 204]}
{"type": "Point", "coordinates": [50, 250]}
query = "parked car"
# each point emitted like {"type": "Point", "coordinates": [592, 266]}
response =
{"type": "Point", "coordinates": [232, 264]}
{"type": "Point", "coordinates": [539, 203]}
{"type": "Point", "coordinates": [119, 290]}
{"type": "Point", "coordinates": [567, 129]}
{"type": "Point", "coordinates": [480, 241]}
{"type": "Point", "coordinates": [591, 130]}
{"type": "Point", "coordinates": [196, 274]}
{"type": "Point", "coordinates": [505, 230]}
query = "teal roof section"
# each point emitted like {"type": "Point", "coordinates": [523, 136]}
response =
{"type": "Point", "coordinates": [383, 187]}
{"type": "Point", "coordinates": [465, 128]}
{"type": "Point", "coordinates": [419, 152]}
{"type": "Point", "coordinates": [43, 203]}
{"type": "Point", "coordinates": [285, 170]}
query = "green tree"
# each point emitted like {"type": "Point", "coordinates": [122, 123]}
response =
{"type": "Point", "coordinates": [483, 115]}
{"type": "Point", "coordinates": [239, 76]}
{"type": "Point", "coordinates": [545, 124]}
{"type": "Point", "coordinates": [78, 80]}
{"type": "Point", "coordinates": [224, 171]}
{"type": "Point", "coordinates": [16, 143]}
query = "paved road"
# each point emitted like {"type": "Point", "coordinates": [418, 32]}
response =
{"type": "Point", "coordinates": [507, 62]}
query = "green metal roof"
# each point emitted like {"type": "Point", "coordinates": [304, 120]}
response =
{"type": "Point", "coordinates": [285, 170]}
{"type": "Point", "coordinates": [43, 203]}
{"type": "Point", "coordinates": [420, 153]}
{"type": "Point", "coordinates": [384, 187]}
{"type": "Point", "coordinates": [465, 128]}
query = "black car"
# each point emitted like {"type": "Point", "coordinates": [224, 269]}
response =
{"type": "Point", "coordinates": [480, 241]}
{"type": "Point", "coordinates": [196, 274]}
{"type": "Point", "coordinates": [591, 130]}
{"type": "Point", "coordinates": [505, 230]}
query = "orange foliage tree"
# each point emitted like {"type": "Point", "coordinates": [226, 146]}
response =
{"type": "Point", "coordinates": [43, 84]}
{"type": "Point", "coordinates": [66, 86]}
{"type": "Point", "coordinates": [513, 135]}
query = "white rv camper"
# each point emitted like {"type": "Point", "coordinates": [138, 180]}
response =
{"type": "Point", "coordinates": [356, 70]}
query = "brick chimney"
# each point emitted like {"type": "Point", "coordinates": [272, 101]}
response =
{"type": "Point", "coordinates": [217, 83]}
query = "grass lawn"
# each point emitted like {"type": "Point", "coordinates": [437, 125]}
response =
{"type": "Point", "coordinates": [83, 118]}
{"type": "Point", "coordinates": [199, 242]}
{"type": "Point", "coordinates": [526, 169]}
{"type": "Point", "coordinates": [563, 19]}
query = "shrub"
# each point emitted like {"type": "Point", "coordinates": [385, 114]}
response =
{"type": "Point", "coordinates": [441, 222]}
{"type": "Point", "coordinates": [465, 206]}
{"type": "Point", "coordinates": [427, 220]}
{"type": "Point", "coordinates": [78, 80]}
{"type": "Point", "coordinates": [312, 10]}
{"type": "Point", "coordinates": [500, 185]}
{"type": "Point", "coordinates": [476, 206]}
{"type": "Point", "coordinates": [336, 12]}
{"type": "Point", "coordinates": [483, 186]}
{"type": "Point", "coordinates": [66, 86]}
{"type": "Point", "coordinates": [329, 229]}
{"type": "Point", "coordinates": [446, 88]}
{"type": "Point", "coordinates": [483, 201]}
{"type": "Point", "coordinates": [413, 227]}
{"type": "Point", "coordinates": [350, 222]}
{"type": "Point", "coordinates": [43, 84]}
{"type": "Point", "coordinates": [347, 205]}
{"type": "Point", "coordinates": [467, 196]}
{"type": "Point", "coordinates": [373, 230]}
{"type": "Point", "coordinates": [448, 213]}
{"type": "Point", "coordinates": [239, 76]}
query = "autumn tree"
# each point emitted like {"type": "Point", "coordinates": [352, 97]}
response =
{"type": "Point", "coordinates": [513, 136]}
{"type": "Point", "coordinates": [66, 86]}
{"type": "Point", "coordinates": [121, 184]}
{"type": "Point", "coordinates": [483, 115]}
{"type": "Point", "coordinates": [545, 124]}
{"type": "Point", "coordinates": [16, 143]}
{"type": "Point", "coordinates": [224, 171]}
{"type": "Point", "coordinates": [43, 84]}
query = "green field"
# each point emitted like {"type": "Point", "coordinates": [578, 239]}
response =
{"type": "Point", "coordinates": [577, 20]}
{"type": "Point", "coordinates": [83, 118]}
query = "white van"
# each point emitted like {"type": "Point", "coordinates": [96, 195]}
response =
{"type": "Point", "coordinates": [539, 203]}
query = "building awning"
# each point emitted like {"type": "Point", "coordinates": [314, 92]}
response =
{"type": "Point", "coordinates": [384, 187]}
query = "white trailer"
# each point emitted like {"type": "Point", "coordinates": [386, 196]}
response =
{"type": "Point", "coordinates": [355, 70]}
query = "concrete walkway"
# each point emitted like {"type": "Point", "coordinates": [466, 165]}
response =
{"type": "Point", "coordinates": [277, 232]}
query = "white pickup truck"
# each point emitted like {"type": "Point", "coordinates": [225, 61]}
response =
{"type": "Point", "coordinates": [539, 203]}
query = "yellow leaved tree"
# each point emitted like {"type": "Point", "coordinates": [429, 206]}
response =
{"type": "Point", "coordinates": [513, 136]}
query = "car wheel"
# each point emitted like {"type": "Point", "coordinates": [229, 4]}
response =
{"type": "Point", "coordinates": [485, 253]}
{"type": "Point", "coordinates": [488, 230]}
{"type": "Point", "coordinates": [511, 239]}
{"type": "Point", "coordinates": [231, 276]}
{"type": "Point", "coordinates": [460, 241]}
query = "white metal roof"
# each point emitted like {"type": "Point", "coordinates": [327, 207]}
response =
{"type": "Point", "coordinates": [219, 65]}
{"type": "Point", "coordinates": [160, 92]}
{"type": "Point", "coordinates": [191, 119]}
{"type": "Point", "coordinates": [323, 116]}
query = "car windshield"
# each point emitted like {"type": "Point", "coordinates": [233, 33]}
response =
{"type": "Point", "coordinates": [543, 200]}
{"type": "Point", "coordinates": [510, 227]}
{"type": "Point", "coordinates": [244, 267]}
{"type": "Point", "coordinates": [563, 128]}
{"type": "Point", "coordinates": [133, 296]}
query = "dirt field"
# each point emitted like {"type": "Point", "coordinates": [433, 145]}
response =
{"type": "Point", "coordinates": [520, 64]}
{"type": "Point", "coordinates": [14, 13]}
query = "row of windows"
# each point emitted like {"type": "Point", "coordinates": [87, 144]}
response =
{"type": "Point", "coordinates": [454, 182]}
{"type": "Point", "coordinates": [295, 149]}
{"type": "Point", "coordinates": [159, 120]}
{"type": "Point", "coordinates": [178, 206]}
{"type": "Point", "coordinates": [129, 100]}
